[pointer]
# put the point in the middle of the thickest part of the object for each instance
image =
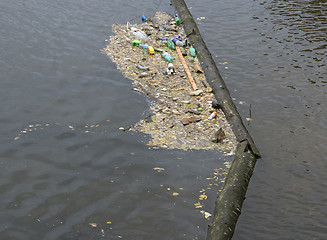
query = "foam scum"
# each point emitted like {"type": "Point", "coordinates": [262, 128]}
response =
{"type": "Point", "coordinates": [180, 115]}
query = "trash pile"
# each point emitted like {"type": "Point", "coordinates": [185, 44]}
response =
{"type": "Point", "coordinates": [162, 63]}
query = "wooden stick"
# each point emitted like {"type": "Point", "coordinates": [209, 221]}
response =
{"type": "Point", "coordinates": [187, 70]}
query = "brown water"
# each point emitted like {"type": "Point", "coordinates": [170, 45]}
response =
{"type": "Point", "coordinates": [71, 166]}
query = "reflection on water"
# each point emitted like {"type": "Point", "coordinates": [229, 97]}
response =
{"type": "Point", "coordinates": [306, 25]}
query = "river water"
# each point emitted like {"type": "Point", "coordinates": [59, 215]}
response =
{"type": "Point", "coordinates": [68, 172]}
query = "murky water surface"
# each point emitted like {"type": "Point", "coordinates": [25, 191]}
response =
{"type": "Point", "coordinates": [65, 164]}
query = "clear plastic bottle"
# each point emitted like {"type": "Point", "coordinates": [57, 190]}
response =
{"type": "Point", "coordinates": [162, 38]}
{"type": "Point", "coordinates": [141, 35]}
{"type": "Point", "coordinates": [144, 68]}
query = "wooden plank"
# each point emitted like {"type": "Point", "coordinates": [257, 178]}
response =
{"type": "Point", "coordinates": [187, 70]}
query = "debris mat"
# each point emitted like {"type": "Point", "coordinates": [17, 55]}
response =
{"type": "Point", "coordinates": [162, 64]}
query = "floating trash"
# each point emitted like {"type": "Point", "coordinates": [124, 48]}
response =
{"type": "Point", "coordinates": [180, 108]}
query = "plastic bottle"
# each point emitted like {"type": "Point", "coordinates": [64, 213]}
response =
{"type": "Point", "coordinates": [184, 42]}
{"type": "Point", "coordinates": [143, 74]}
{"type": "Point", "coordinates": [143, 68]}
{"type": "Point", "coordinates": [158, 50]}
{"type": "Point", "coordinates": [162, 38]}
{"type": "Point", "coordinates": [167, 27]}
{"type": "Point", "coordinates": [144, 18]}
{"type": "Point", "coordinates": [170, 69]}
{"type": "Point", "coordinates": [143, 45]}
{"type": "Point", "coordinates": [167, 57]}
{"type": "Point", "coordinates": [213, 115]}
{"type": "Point", "coordinates": [177, 20]}
{"type": "Point", "coordinates": [192, 52]}
{"type": "Point", "coordinates": [141, 35]}
{"type": "Point", "coordinates": [136, 42]}
{"type": "Point", "coordinates": [177, 42]}
{"type": "Point", "coordinates": [171, 45]}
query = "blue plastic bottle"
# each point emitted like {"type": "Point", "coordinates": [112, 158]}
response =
{"type": "Point", "coordinates": [143, 45]}
{"type": "Point", "coordinates": [177, 42]}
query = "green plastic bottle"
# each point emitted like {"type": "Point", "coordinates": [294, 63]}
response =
{"type": "Point", "coordinates": [192, 52]}
{"type": "Point", "coordinates": [171, 45]}
{"type": "Point", "coordinates": [135, 42]}
{"type": "Point", "coordinates": [167, 57]}
{"type": "Point", "coordinates": [177, 20]}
